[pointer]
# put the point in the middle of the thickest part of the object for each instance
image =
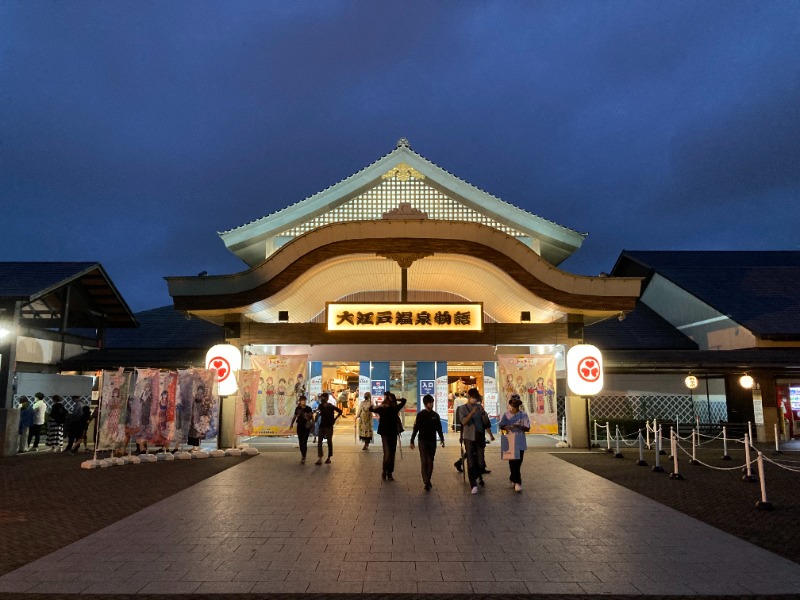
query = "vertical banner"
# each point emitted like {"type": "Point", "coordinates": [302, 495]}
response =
{"type": "Point", "coordinates": [140, 404]}
{"type": "Point", "coordinates": [282, 380]}
{"type": "Point", "coordinates": [113, 404]}
{"type": "Point", "coordinates": [246, 401]}
{"type": "Point", "coordinates": [533, 377]}
{"type": "Point", "coordinates": [197, 408]}
{"type": "Point", "coordinates": [162, 417]}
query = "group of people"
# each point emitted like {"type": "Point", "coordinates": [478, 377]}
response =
{"type": "Point", "coordinates": [471, 416]}
{"type": "Point", "coordinates": [61, 423]}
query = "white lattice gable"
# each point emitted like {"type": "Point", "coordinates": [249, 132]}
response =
{"type": "Point", "coordinates": [424, 190]}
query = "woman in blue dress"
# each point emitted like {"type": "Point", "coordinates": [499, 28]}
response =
{"type": "Point", "coordinates": [516, 424]}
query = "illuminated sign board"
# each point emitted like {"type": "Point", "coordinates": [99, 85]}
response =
{"type": "Point", "coordinates": [584, 370]}
{"type": "Point", "coordinates": [381, 316]}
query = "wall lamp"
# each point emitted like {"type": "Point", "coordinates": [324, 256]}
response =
{"type": "Point", "coordinates": [746, 381]}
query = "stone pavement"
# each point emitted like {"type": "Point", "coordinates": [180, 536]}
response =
{"type": "Point", "coordinates": [270, 525]}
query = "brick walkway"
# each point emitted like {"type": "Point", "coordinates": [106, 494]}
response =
{"type": "Point", "coordinates": [269, 525]}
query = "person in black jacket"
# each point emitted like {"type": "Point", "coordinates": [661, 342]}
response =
{"type": "Point", "coordinates": [327, 413]}
{"type": "Point", "coordinates": [389, 413]}
{"type": "Point", "coordinates": [427, 424]}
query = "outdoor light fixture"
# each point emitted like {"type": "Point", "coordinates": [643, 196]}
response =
{"type": "Point", "coordinates": [746, 381]}
{"type": "Point", "coordinates": [525, 316]}
{"type": "Point", "coordinates": [283, 316]}
{"type": "Point", "coordinates": [690, 381]}
{"type": "Point", "coordinates": [3, 332]}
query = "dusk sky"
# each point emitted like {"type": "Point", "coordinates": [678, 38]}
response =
{"type": "Point", "coordinates": [132, 132]}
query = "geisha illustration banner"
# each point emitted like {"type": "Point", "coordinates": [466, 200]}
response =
{"type": "Point", "coordinates": [162, 416]}
{"type": "Point", "coordinates": [246, 401]}
{"type": "Point", "coordinates": [113, 409]}
{"type": "Point", "coordinates": [197, 406]}
{"type": "Point", "coordinates": [140, 404]}
{"type": "Point", "coordinates": [282, 379]}
{"type": "Point", "coordinates": [533, 377]}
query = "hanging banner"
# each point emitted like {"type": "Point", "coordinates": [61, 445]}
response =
{"type": "Point", "coordinates": [162, 417]}
{"type": "Point", "coordinates": [197, 407]}
{"type": "Point", "coordinates": [246, 401]}
{"type": "Point", "coordinates": [113, 403]}
{"type": "Point", "coordinates": [282, 380]}
{"type": "Point", "coordinates": [533, 377]}
{"type": "Point", "coordinates": [140, 404]}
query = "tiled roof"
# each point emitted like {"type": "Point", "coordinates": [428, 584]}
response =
{"type": "Point", "coordinates": [164, 339]}
{"type": "Point", "coordinates": [642, 329]}
{"type": "Point", "coordinates": [166, 327]}
{"type": "Point", "coordinates": [758, 290]}
{"type": "Point", "coordinates": [27, 279]}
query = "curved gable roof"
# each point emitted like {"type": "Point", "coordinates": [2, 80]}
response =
{"type": "Point", "coordinates": [249, 241]}
{"type": "Point", "coordinates": [252, 290]}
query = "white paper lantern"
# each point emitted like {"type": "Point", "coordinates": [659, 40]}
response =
{"type": "Point", "coordinates": [584, 370]}
{"type": "Point", "coordinates": [746, 381]}
{"type": "Point", "coordinates": [226, 359]}
{"type": "Point", "coordinates": [691, 382]}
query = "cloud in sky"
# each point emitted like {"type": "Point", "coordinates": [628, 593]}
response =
{"type": "Point", "coordinates": [130, 133]}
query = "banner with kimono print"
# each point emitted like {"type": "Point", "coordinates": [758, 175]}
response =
{"type": "Point", "coordinates": [162, 416]}
{"type": "Point", "coordinates": [113, 409]}
{"type": "Point", "coordinates": [197, 406]}
{"type": "Point", "coordinates": [140, 404]}
{"type": "Point", "coordinates": [281, 381]}
{"type": "Point", "coordinates": [246, 401]}
{"type": "Point", "coordinates": [533, 377]}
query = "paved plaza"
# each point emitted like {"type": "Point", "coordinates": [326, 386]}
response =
{"type": "Point", "coordinates": [272, 525]}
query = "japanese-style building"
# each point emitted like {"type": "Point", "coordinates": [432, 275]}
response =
{"type": "Point", "coordinates": [404, 272]}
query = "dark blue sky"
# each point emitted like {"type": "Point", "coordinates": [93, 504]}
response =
{"type": "Point", "coordinates": [131, 132]}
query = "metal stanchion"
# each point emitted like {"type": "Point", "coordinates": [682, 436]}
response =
{"type": "Point", "coordinates": [762, 504]}
{"type": "Point", "coordinates": [647, 433]}
{"type": "Point", "coordinates": [641, 462]}
{"type": "Point", "coordinates": [596, 443]}
{"type": "Point", "coordinates": [777, 445]}
{"type": "Point", "coordinates": [694, 460]}
{"type": "Point", "coordinates": [748, 475]}
{"type": "Point", "coordinates": [617, 454]}
{"type": "Point", "coordinates": [608, 438]}
{"type": "Point", "coordinates": [658, 468]}
{"type": "Point", "coordinates": [660, 446]}
{"type": "Point", "coordinates": [725, 455]}
{"type": "Point", "coordinates": [674, 443]}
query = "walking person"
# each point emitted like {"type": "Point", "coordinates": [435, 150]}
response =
{"type": "Point", "coordinates": [327, 419]}
{"type": "Point", "coordinates": [39, 412]}
{"type": "Point", "coordinates": [480, 440]}
{"type": "Point", "coordinates": [304, 417]}
{"type": "Point", "coordinates": [389, 428]}
{"type": "Point", "coordinates": [55, 426]}
{"type": "Point", "coordinates": [82, 429]}
{"type": "Point", "coordinates": [364, 421]}
{"type": "Point", "coordinates": [470, 417]}
{"type": "Point", "coordinates": [516, 424]}
{"type": "Point", "coordinates": [26, 417]}
{"type": "Point", "coordinates": [428, 424]}
{"type": "Point", "coordinates": [74, 426]}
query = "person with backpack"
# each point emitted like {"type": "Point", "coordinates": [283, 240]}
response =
{"type": "Point", "coordinates": [55, 426]}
